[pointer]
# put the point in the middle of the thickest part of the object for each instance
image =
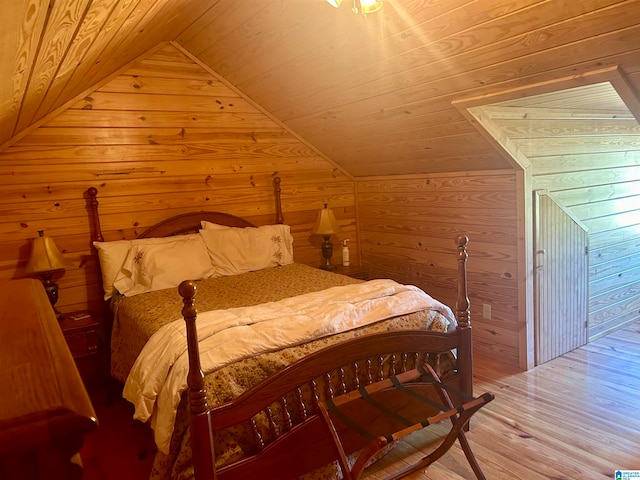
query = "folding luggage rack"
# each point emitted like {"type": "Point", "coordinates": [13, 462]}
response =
{"type": "Point", "coordinates": [384, 412]}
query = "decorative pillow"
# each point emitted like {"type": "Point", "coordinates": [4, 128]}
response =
{"type": "Point", "coordinates": [112, 254]}
{"type": "Point", "coordinates": [156, 266]}
{"type": "Point", "coordinates": [240, 250]}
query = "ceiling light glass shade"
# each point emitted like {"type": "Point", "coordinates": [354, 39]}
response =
{"type": "Point", "coordinates": [370, 6]}
{"type": "Point", "coordinates": [335, 3]}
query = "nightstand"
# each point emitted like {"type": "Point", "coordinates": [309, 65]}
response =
{"type": "Point", "coordinates": [81, 331]}
{"type": "Point", "coordinates": [353, 271]}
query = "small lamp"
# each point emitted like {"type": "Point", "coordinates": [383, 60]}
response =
{"type": "Point", "coordinates": [44, 260]}
{"type": "Point", "coordinates": [326, 225]}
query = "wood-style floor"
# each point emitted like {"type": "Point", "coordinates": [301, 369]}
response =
{"type": "Point", "coordinates": [575, 417]}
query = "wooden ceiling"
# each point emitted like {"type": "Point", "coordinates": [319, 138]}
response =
{"type": "Point", "coordinates": [373, 93]}
{"type": "Point", "coordinates": [576, 121]}
{"type": "Point", "coordinates": [583, 120]}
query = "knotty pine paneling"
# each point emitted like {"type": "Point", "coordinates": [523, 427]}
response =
{"type": "Point", "coordinates": [600, 187]}
{"type": "Point", "coordinates": [163, 138]}
{"type": "Point", "coordinates": [365, 91]}
{"type": "Point", "coordinates": [582, 145]}
{"type": "Point", "coordinates": [408, 227]}
{"type": "Point", "coordinates": [375, 93]}
{"type": "Point", "coordinates": [21, 23]}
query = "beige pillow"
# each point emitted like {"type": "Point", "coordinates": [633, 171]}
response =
{"type": "Point", "coordinates": [240, 250]}
{"type": "Point", "coordinates": [157, 266]}
{"type": "Point", "coordinates": [112, 254]}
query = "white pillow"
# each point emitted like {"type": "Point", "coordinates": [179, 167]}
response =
{"type": "Point", "coordinates": [240, 250]}
{"type": "Point", "coordinates": [157, 266]}
{"type": "Point", "coordinates": [112, 254]}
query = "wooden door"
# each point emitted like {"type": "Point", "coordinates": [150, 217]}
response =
{"type": "Point", "coordinates": [560, 280]}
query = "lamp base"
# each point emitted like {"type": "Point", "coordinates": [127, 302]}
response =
{"type": "Point", "coordinates": [327, 267]}
{"type": "Point", "coordinates": [51, 288]}
{"type": "Point", "coordinates": [327, 252]}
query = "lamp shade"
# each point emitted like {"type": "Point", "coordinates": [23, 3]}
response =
{"type": "Point", "coordinates": [335, 3]}
{"type": "Point", "coordinates": [45, 256]}
{"type": "Point", "coordinates": [326, 223]}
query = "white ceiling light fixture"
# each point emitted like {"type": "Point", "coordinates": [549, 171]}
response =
{"type": "Point", "coordinates": [370, 6]}
{"type": "Point", "coordinates": [364, 6]}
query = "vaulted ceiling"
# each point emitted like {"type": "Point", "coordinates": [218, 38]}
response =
{"type": "Point", "coordinates": [373, 93]}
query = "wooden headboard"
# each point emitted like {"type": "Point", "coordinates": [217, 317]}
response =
{"type": "Point", "coordinates": [184, 223]}
{"type": "Point", "coordinates": [190, 223]}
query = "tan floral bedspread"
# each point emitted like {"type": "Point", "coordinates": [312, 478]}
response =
{"type": "Point", "coordinates": [137, 318]}
{"type": "Point", "coordinates": [154, 309]}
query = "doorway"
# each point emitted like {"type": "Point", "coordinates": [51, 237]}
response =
{"type": "Point", "coordinates": [577, 138]}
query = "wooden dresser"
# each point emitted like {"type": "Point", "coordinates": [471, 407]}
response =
{"type": "Point", "coordinates": [44, 408]}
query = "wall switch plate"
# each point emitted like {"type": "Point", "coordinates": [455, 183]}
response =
{"type": "Point", "coordinates": [486, 311]}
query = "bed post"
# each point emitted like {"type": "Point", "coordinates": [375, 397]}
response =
{"type": "Point", "coordinates": [199, 415]}
{"type": "Point", "coordinates": [465, 354]}
{"type": "Point", "coordinates": [276, 191]}
{"type": "Point", "coordinates": [95, 218]}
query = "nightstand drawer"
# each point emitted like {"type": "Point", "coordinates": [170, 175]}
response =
{"type": "Point", "coordinates": [81, 332]}
{"type": "Point", "coordinates": [83, 342]}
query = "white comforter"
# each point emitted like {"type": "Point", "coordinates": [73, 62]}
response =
{"type": "Point", "coordinates": [159, 375]}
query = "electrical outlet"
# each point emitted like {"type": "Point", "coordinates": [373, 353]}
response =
{"type": "Point", "coordinates": [486, 311]}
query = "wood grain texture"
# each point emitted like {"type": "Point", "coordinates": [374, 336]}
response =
{"type": "Point", "coordinates": [63, 22]}
{"type": "Point", "coordinates": [407, 226]}
{"type": "Point", "coordinates": [370, 96]}
{"type": "Point", "coordinates": [386, 80]}
{"type": "Point", "coordinates": [45, 410]}
{"type": "Point", "coordinates": [146, 173]}
{"type": "Point", "coordinates": [545, 423]}
{"type": "Point", "coordinates": [561, 259]}
{"type": "Point", "coordinates": [21, 41]}
{"type": "Point", "coordinates": [585, 151]}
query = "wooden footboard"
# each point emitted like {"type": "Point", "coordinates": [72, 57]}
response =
{"type": "Point", "coordinates": [292, 439]}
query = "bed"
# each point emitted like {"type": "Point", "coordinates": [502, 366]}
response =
{"type": "Point", "coordinates": [255, 408]}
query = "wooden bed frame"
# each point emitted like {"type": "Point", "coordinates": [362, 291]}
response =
{"type": "Point", "coordinates": [301, 445]}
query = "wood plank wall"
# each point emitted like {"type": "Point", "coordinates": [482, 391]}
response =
{"type": "Point", "coordinates": [602, 189]}
{"type": "Point", "coordinates": [408, 226]}
{"type": "Point", "coordinates": [163, 137]}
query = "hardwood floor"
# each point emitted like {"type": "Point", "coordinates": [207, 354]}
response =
{"type": "Point", "coordinates": [575, 417]}
{"type": "Point", "coordinates": [121, 448]}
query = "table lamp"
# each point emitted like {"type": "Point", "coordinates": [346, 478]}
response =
{"type": "Point", "coordinates": [46, 259]}
{"type": "Point", "coordinates": [326, 225]}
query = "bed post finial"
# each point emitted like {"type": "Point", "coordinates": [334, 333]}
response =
{"type": "Point", "coordinates": [92, 192]}
{"type": "Point", "coordinates": [276, 191]}
{"type": "Point", "coordinates": [462, 302]}
{"type": "Point", "coordinates": [200, 417]}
